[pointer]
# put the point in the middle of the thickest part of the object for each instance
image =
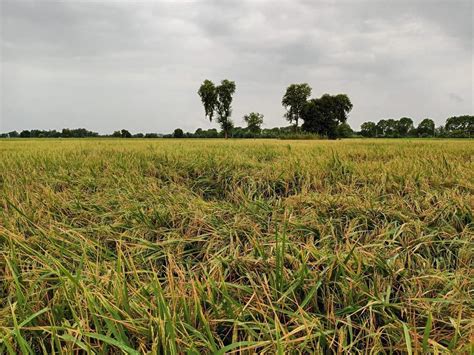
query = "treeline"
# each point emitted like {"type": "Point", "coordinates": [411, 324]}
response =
{"type": "Point", "coordinates": [455, 127]}
{"type": "Point", "coordinates": [75, 133]}
{"type": "Point", "coordinates": [64, 133]}
{"type": "Point", "coordinates": [287, 132]}
{"type": "Point", "coordinates": [235, 132]}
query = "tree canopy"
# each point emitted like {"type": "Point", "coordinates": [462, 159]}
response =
{"type": "Point", "coordinates": [208, 94]}
{"type": "Point", "coordinates": [323, 115]}
{"type": "Point", "coordinates": [426, 128]}
{"type": "Point", "coordinates": [457, 126]}
{"type": "Point", "coordinates": [460, 125]}
{"type": "Point", "coordinates": [178, 133]}
{"type": "Point", "coordinates": [254, 121]}
{"type": "Point", "coordinates": [368, 129]}
{"type": "Point", "coordinates": [404, 125]}
{"type": "Point", "coordinates": [217, 100]}
{"type": "Point", "coordinates": [294, 100]}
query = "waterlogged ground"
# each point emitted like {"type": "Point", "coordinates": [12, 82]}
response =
{"type": "Point", "coordinates": [203, 246]}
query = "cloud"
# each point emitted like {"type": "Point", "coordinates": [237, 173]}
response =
{"type": "Point", "coordinates": [137, 65]}
{"type": "Point", "coordinates": [455, 97]}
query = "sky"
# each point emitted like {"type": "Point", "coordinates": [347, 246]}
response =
{"type": "Point", "coordinates": [107, 65]}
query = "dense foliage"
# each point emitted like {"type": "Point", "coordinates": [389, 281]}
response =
{"type": "Point", "coordinates": [212, 246]}
{"type": "Point", "coordinates": [37, 133]}
{"type": "Point", "coordinates": [460, 126]}
{"type": "Point", "coordinates": [456, 127]}
{"type": "Point", "coordinates": [324, 115]}
{"type": "Point", "coordinates": [254, 122]}
{"type": "Point", "coordinates": [217, 101]}
{"type": "Point", "coordinates": [294, 101]}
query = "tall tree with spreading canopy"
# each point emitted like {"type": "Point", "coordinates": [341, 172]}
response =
{"type": "Point", "coordinates": [323, 115]}
{"type": "Point", "coordinates": [254, 121]}
{"type": "Point", "coordinates": [294, 100]}
{"type": "Point", "coordinates": [217, 100]}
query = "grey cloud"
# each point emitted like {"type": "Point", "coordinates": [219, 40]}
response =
{"type": "Point", "coordinates": [112, 64]}
{"type": "Point", "coordinates": [455, 97]}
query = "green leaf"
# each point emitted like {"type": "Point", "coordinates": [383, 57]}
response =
{"type": "Point", "coordinates": [426, 334]}
{"type": "Point", "coordinates": [113, 342]}
{"type": "Point", "coordinates": [407, 339]}
{"type": "Point", "coordinates": [236, 345]}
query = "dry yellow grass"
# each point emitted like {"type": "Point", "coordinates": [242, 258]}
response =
{"type": "Point", "coordinates": [208, 246]}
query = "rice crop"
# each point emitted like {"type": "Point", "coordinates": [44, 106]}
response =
{"type": "Point", "coordinates": [236, 246]}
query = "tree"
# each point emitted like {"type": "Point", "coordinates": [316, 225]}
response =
{"type": "Point", "coordinates": [387, 128]}
{"type": "Point", "coordinates": [218, 100]}
{"type": "Point", "coordinates": [440, 131]}
{"type": "Point", "coordinates": [125, 134]}
{"type": "Point", "coordinates": [211, 133]}
{"type": "Point", "coordinates": [381, 128]}
{"type": "Point", "coordinates": [368, 129]}
{"type": "Point", "coordinates": [224, 105]}
{"type": "Point", "coordinates": [254, 122]}
{"type": "Point", "coordinates": [323, 115]}
{"type": "Point", "coordinates": [178, 133]}
{"type": "Point", "coordinates": [460, 126]}
{"type": "Point", "coordinates": [208, 94]}
{"type": "Point", "coordinates": [227, 125]}
{"type": "Point", "coordinates": [404, 125]}
{"type": "Point", "coordinates": [66, 133]}
{"type": "Point", "coordinates": [391, 129]}
{"type": "Point", "coordinates": [294, 101]}
{"type": "Point", "coordinates": [239, 132]}
{"type": "Point", "coordinates": [25, 134]}
{"type": "Point", "coordinates": [426, 128]}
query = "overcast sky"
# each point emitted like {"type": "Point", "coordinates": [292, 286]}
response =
{"type": "Point", "coordinates": [107, 65]}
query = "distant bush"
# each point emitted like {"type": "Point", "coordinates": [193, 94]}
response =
{"type": "Point", "coordinates": [300, 135]}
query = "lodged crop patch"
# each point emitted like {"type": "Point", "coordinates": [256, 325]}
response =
{"type": "Point", "coordinates": [213, 246]}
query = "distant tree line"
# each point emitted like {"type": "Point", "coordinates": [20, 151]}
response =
{"type": "Point", "coordinates": [250, 131]}
{"type": "Point", "coordinates": [246, 132]}
{"type": "Point", "coordinates": [38, 133]}
{"type": "Point", "coordinates": [455, 127]}
{"type": "Point", "coordinates": [74, 133]}
{"type": "Point", "coordinates": [323, 117]}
